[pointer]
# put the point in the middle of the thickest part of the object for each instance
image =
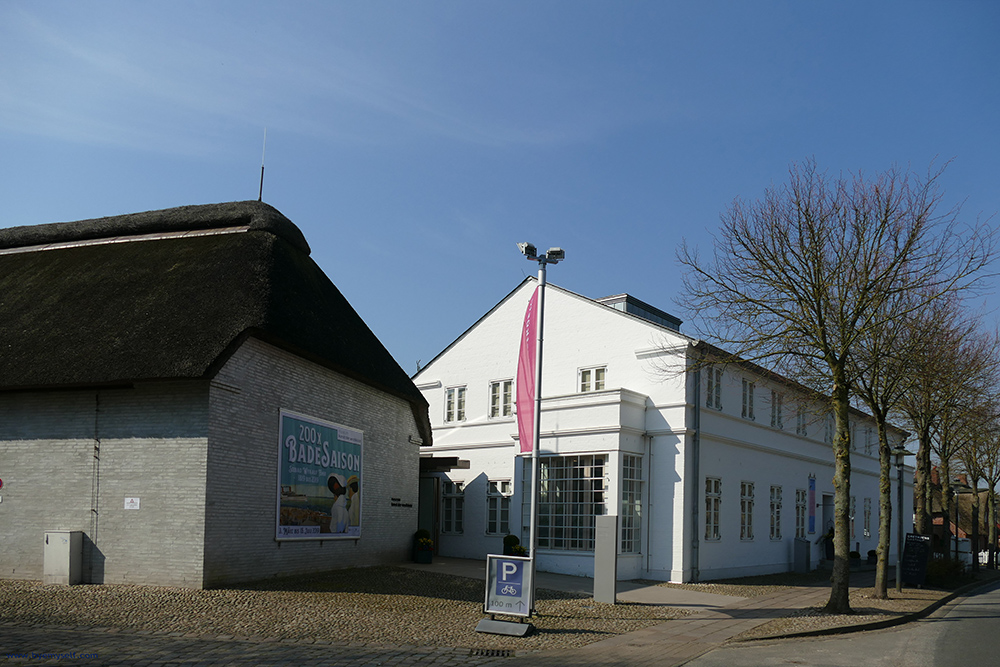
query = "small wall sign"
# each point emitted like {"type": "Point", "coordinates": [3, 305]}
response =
{"type": "Point", "coordinates": [131, 503]}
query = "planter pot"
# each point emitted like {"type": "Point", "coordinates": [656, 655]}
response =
{"type": "Point", "coordinates": [829, 549]}
{"type": "Point", "coordinates": [423, 556]}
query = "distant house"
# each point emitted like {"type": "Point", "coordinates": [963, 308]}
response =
{"type": "Point", "coordinates": [189, 390]}
{"type": "Point", "coordinates": [713, 470]}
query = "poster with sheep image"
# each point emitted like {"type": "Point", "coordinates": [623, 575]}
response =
{"type": "Point", "coordinates": [319, 479]}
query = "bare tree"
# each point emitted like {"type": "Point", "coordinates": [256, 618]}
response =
{"type": "Point", "coordinates": [881, 361]}
{"type": "Point", "coordinates": [797, 277]}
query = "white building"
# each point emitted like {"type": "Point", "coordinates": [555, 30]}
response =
{"type": "Point", "coordinates": [713, 473]}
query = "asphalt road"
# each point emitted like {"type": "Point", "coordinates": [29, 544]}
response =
{"type": "Point", "coordinates": [963, 632]}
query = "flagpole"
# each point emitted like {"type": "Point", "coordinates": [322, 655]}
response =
{"type": "Point", "coordinates": [537, 439]}
{"type": "Point", "coordinates": [553, 256]}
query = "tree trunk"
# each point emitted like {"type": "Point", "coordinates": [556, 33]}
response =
{"type": "Point", "coordinates": [840, 580]}
{"type": "Point", "coordinates": [946, 508]}
{"type": "Point", "coordinates": [992, 513]}
{"type": "Point", "coordinates": [921, 485]}
{"type": "Point", "coordinates": [885, 513]}
{"type": "Point", "coordinates": [974, 544]}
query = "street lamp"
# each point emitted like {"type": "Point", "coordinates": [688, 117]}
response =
{"type": "Point", "coordinates": [553, 256]}
{"type": "Point", "coordinates": [899, 453]}
{"type": "Point", "coordinates": [957, 488]}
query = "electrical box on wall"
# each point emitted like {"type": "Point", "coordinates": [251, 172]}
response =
{"type": "Point", "coordinates": [62, 557]}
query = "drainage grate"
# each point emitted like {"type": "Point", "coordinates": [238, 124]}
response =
{"type": "Point", "coordinates": [491, 653]}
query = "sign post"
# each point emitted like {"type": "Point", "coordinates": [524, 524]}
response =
{"type": "Point", "coordinates": [509, 589]}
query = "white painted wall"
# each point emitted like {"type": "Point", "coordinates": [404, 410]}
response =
{"type": "Point", "coordinates": [646, 409]}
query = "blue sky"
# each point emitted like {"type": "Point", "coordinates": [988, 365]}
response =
{"type": "Point", "coordinates": [415, 143]}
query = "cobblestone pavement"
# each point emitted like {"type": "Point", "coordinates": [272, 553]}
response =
{"type": "Point", "coordinates": [47, 645]}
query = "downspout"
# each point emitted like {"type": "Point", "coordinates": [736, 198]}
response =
{"type": "Point", "coordinates": [696, 470]}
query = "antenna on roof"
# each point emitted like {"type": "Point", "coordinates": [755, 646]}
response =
{"type": "Point", "coordinates": [260, 194]}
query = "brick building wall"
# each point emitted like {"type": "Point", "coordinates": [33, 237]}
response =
{"type": "Point", "coordinates": [69, 459]}
{"type": "Point", "coordinates": [246, 397]}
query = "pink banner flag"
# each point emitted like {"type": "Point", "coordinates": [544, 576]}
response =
{"type": "Point", "coordinates": [525, 401]}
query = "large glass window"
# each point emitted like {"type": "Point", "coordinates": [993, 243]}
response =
{"type": "Point", "coordinates": [631, 516]}
{"type": "Point", "coordinates": [713, 503]}
{"type": "Point", "coordinates": [454, 404]}
{"type": "Point", "coordinates": [746, 510]}
{"type": "Point", "coordinates": [501, 402]}
{"type": "Point", "coordinates": [498, 507]}
{"type": "Point", "coordinates": [452, 506]}
{"type": "Point", "coordinates": [570, 494]}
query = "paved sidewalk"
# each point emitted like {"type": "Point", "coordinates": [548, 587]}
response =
{"type": "Point", "coordinates": [678, 641]}
{"type": "Point", "coordinates": [675, 642]}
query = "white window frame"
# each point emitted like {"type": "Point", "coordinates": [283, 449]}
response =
{"type": "Point", "coordinates": [853, 513]}
{"type": "Point", "coordinates": [802, 419]}
{"type": "Point", "coordinates": [498, 493]}
{"type": "Point", "coordinates": [828, 428]}
{"type": "Point", "coordinates": [631, 511]}
{"type": "Point", "coordinates": [571, 493]}
{"type": "Point", "coordinates": [801, 498]}
{"type": "Point", "coordinates": [775, 513]}
{"type": "Point", "coordinates": [713, 389]}
{"type": "Point", "coordinates": [748, 391]}
{"type": "Point", "coordinates": [501, 399]}
{"type": "Point", "coordinates": [713, 508]}
{"type": "Point", "coordinates": [746, 511]}
{"type": "Point", "coordinates": [454, 404]}
{"type": "Point", "coordinates": [593, 378]}
{"type": "Point", "coordinates": [868, 518]}
{"type": "Point", "coordinates": [868, 440]}
{"type": "Point", "coordinates": [777, 407]}
{"type": "Point", "coordinates": [452, 507]}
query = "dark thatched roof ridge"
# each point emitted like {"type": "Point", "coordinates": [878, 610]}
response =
{"type": "Point", "coordinates": [175, 306]}
{"type": "Point", "coordinates": [257, 216]}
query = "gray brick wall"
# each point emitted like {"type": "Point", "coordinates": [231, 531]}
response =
{"type": "Point", "coordinates": [246, 397]}
{"type": "Point", "coordinates": [202, 459]}
{"type": "Point", "coordinates": [151, 444]}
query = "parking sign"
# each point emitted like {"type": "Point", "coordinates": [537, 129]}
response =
{"type": "Point", "coordinates": [508, 585]}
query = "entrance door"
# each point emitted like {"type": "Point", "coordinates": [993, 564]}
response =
{"type": "Point", "coordinates": [427, 510]}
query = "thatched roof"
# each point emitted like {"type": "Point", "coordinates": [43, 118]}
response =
{"type": "Point", "coordinates": [171, 294]}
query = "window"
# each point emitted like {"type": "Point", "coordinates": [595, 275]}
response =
{"type": "Point", "coordinates": [592, 379]}
{"type": "Point", "coordinates": [452, 506]}
{"type": "Point", "coordinates": [828, 429]}
{"type": "Point", "coordinates": [748, 389]}
{"type": "Point", "coordinates": [776, 408]}
{"type": "Point", "coordinates": [498, 507]}
{"type": "Point", "coordinates": [713, 391]}
{"type": "Point", "coordinates": [800, 512]}
{"type": "Point", "coordinates": [713, 502]}
{"type": "Point", "coordinates": [746, 510]}
{"type": "Point", "coordinates": [853, 430]}
{"type": "Point", "coordinates": [801, 419]}
{"type": "Point", "coordinates": [570, 494]}
{"type": "Point", "coordinates": [868, 518]}
{"type": "Point", "coordinates": [454, 404]}
{"type": "Point", "coordinates": [868, 440]}
{"type": "Point", "coordinates": [631, 515]}
{"type": "Point", "coordinates": [500, 398]}
{"type": "Point", "coordinates": [775, 512]}
{"type": "Point", "coordinates": [853, 510]}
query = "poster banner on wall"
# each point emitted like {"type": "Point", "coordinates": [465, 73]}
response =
{"type": "Point", "coordinates": [319, 479]}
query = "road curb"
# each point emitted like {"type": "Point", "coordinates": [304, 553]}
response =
{"type": "Point", "coordinates": [878, 625]}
